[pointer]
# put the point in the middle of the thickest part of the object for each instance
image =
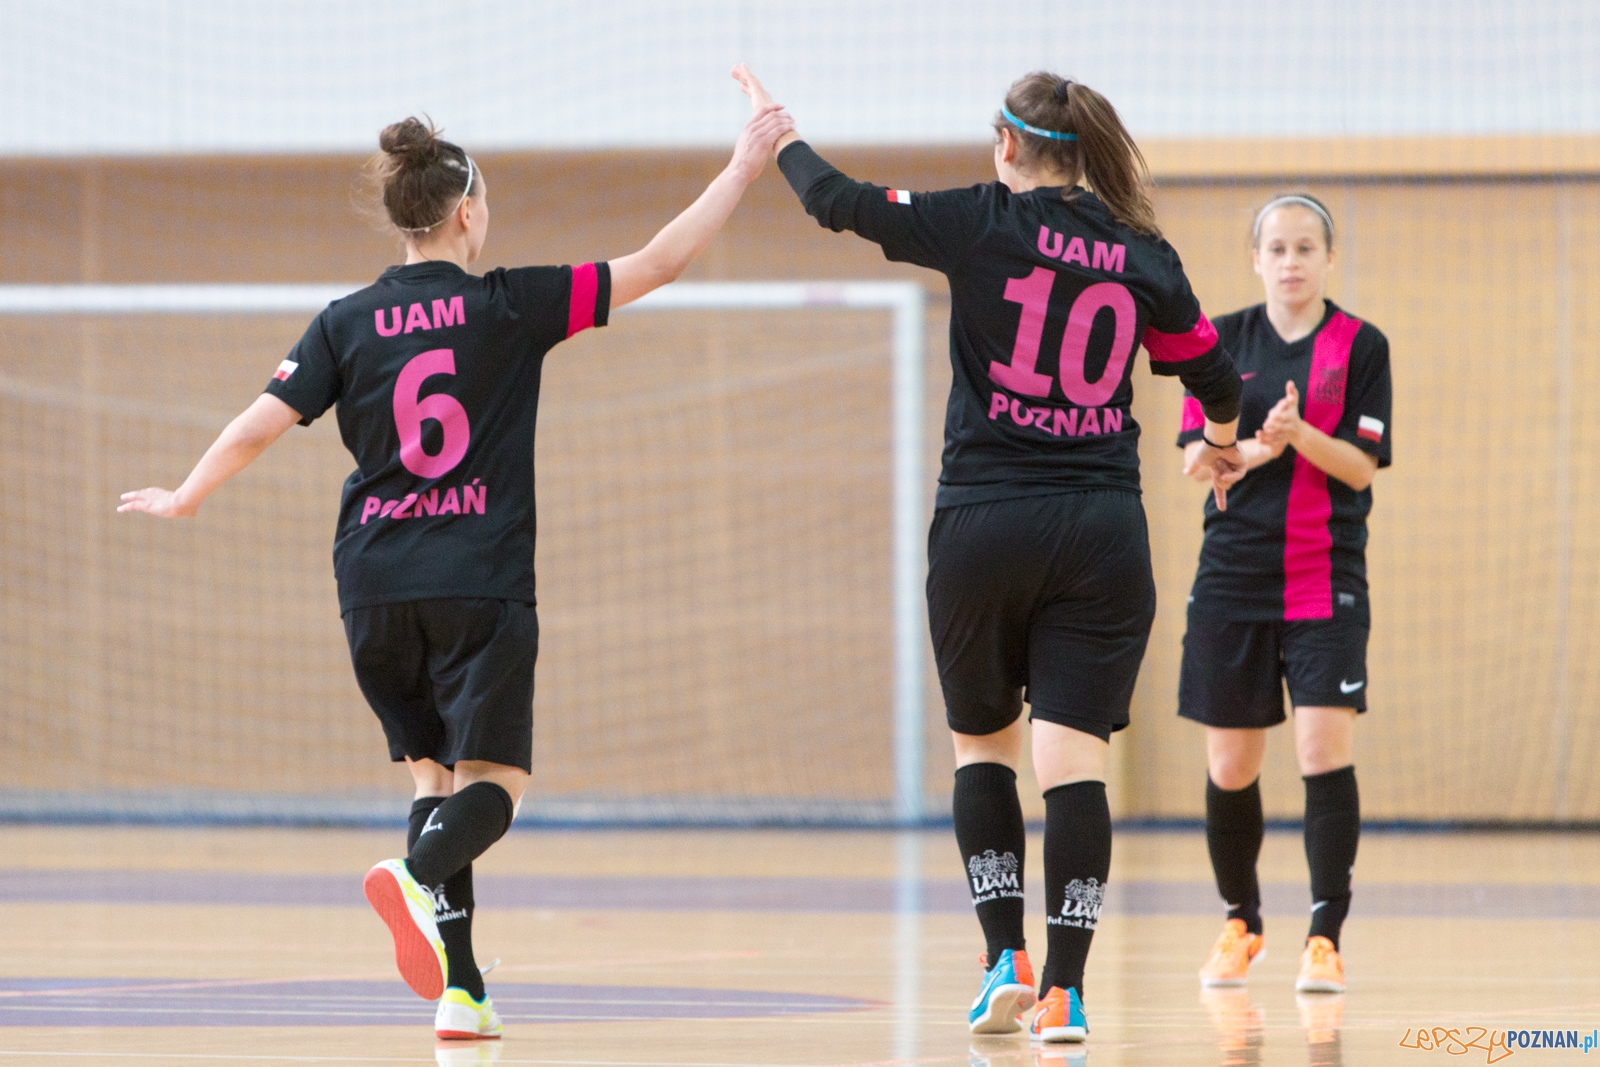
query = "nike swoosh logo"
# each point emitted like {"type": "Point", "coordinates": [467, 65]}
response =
{"type": "Point", "coordinates": [1350, 687]}
{"type": "Point", "coordinates": [1319, 904]}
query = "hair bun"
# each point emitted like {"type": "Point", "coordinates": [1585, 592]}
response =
{"type": "Point", "coordinates": [411, 143]}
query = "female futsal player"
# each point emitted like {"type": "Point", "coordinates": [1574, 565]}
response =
{"type": "Point", "coordinates": [436, 375]}
{"type": "Point", "coordinates": [1281, 591]}
{"type": "Point", "coordinates": [1039, 582]}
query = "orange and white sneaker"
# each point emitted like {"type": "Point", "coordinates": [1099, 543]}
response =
{"type": "Point", "coordinates": [1060, 1017]}
{"type": "Point", "coordinates": [1321, 969]}
{"type": "Point", "coordinates": [406, 907]}
{"type": "Point", "coordinates": [1236, 949]}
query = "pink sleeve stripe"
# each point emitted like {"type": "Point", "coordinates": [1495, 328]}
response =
{"type": "Point", "coordinates": [1194, 417]}
{"type": "Point", "coordinates": [1177, 347]}
{"type": "Point", "coordinates": [585, 287]}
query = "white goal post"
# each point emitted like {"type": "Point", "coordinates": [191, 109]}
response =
{"type": "Point", "coordinates": [902, 300]}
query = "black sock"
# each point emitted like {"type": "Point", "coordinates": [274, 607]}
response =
{"type": "Point", "coordinates": [459, 831]}
{"type": "Point", "coordinates": [1077, 860]}
{"type": "Point", "coordinates": [453, 909]}
{"type": "Point", "coordinates": [1333, 829]}
{"type": "Point", "coordinates": [992, 838]}
{"type": "Point", "coordinates": [421, 808]}
{"type": "Point", "coordinates": [453, 906]}
{"type": "Point", "coordinates": [1234, 829]}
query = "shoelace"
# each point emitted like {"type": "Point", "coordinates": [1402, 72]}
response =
{"type": "Point", "coordinates": [1228, 942]}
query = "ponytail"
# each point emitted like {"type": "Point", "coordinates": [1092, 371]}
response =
{"type": "Point", "coordinates": [1102, 152]}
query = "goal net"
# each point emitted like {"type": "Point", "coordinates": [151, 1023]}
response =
{"type": "Point", "coordinates": [731, 508]}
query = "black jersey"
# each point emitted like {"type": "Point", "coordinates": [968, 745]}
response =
{"type": "Point", "coordinates": [436, 374]}
{"type": "Point", "coordinates": [1293, 539]}
{"type": "Point", "coordinates": [1050, 298]}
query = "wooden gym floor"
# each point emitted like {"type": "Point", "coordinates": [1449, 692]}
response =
{"type": "Point", "coordinates": [191, 947]}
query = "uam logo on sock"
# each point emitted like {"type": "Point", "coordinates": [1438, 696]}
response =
{"type": "Point", "coordinates": [991, 872]}
{"type": "Point", "coordinates": [442, 911]}
{"type": "Point", "coordinates": [1080, 904]}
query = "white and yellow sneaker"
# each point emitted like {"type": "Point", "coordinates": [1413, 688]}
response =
{"type": "Point", "coordinates": [460, 1018]}
{"type": "Point", "coordinates": [406, 906]}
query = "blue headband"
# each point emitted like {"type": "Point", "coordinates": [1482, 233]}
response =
{"type": "Point", "coordinates": [1053, 135]}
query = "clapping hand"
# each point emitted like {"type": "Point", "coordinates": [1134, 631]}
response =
{"type": "Point", "coordinates": [1283, 425]}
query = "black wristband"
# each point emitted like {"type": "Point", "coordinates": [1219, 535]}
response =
{"type": "Point", "coordinates": [1213, 444]}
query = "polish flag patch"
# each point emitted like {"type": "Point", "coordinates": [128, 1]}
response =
{"type": "Point", "coordinates": [899, 196]}
{"type": "Point", "coordinates": [1370, 428]}
{"type": "Point", "coordinates": [288, 367]}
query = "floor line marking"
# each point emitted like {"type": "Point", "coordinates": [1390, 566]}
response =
{"type": "Point", "coordinates": [238, 1057]}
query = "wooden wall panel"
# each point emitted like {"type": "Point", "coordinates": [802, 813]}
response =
{"type": "Point", "coordinates": [713, 502]}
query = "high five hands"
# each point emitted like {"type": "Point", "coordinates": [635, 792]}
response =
{"type": "Point", "coordinates": [761, 100]}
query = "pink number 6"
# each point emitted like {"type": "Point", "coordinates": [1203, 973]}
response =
{"type": "Point", "coordinates": [445, 409]}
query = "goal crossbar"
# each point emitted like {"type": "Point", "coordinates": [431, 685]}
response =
{"type": "Point", "coordinates": [902, 300]}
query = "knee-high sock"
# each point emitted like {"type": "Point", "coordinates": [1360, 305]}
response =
{"type": "Point", "coordinates": [459, 831]}
{"type": "Point", "coordinates": [1077, 860]}
{"type": "Point", "coordinates": [992, 839]}
{"type": "Point", "coordinates": [421, 808]}
{"type": "Point", "coordinates": [453, 909]}
{"type": "Point", "coordinates": [1234, 829]}
{"type": "Point", "coordinates": [1333, 830]}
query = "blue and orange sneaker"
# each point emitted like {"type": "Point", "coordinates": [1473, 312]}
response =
{"type": "Point", "coordinates": [1060, 1017]}
{"type": "Point", "coordinates": [1006, 993]}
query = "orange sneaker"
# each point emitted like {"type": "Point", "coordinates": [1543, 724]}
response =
{"type": "Point", "coordinates": [1321, 969]}
{"type": "Point", "coordinates": [1060, 1017]}
{"type": "Point", "coordinates": [1236, 949]}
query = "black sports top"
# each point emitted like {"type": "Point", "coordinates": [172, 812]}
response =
{"type": "Point", "coordinates": [436, 374]}
{"type": "Point", "coordinates": [1293, 540]}
{"type": "Point", "coordinates": [1050, 297]}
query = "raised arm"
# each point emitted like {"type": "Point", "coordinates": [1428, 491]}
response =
{"type": "Point", "coordinates": [245, 438]}
{"type": "Point", "coordinates": [671, 251]}
{"type": "Point", "coordinates": [931, 229]}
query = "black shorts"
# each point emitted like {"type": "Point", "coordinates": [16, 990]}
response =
{"type": "Point", "coordinates": [1233, 673]}
{"type": "Point", "coordinates": [1043, 598]}
{"type": "Point", "coordinates": [450, 680]}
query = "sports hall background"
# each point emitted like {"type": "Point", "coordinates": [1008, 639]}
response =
{"type": "Point", "coordinates": [714, 487]}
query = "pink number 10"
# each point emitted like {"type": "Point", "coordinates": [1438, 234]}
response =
{"type": "Point", "coordinates": [445, 409]}
{"type": "Point", "coordinates": [1033, 293]}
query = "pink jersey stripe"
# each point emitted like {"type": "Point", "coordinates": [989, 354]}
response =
{"type": "Point", "coordinates": [1177, 347]}
{"type": "Point", "coordinates": [585, 285]}
{"type": "Point", "coordinates": [1307, 541]}
{"type": "Point", "coordinates": [1194, 417]}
